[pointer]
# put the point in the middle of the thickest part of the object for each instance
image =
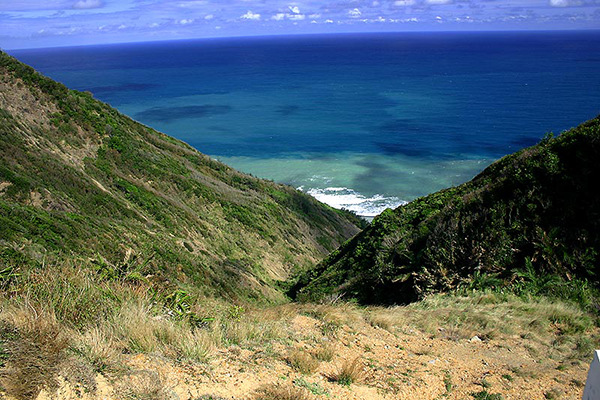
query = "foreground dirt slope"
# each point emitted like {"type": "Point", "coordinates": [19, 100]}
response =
{"type": "Point", "coordinates": [422, 358]}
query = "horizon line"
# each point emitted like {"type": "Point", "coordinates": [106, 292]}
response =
{"type": "Point", "coordinates": [308, 34]}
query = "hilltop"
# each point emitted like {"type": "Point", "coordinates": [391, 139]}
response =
{"type": "Point", "coordinates": [529, 221]}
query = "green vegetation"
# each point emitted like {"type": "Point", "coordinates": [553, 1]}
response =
{"type": "Point", "coordinates": [114, 238]}
{"type": "Point", "coordinates": [79, 180]}
{"type": "Point", "coordinates": [314, 388]}
{"type": "Point", "coordinates": [526, 224]}
{"type": "Point", "coordinates": [485, 395]}
{"type": "Point", "coordinates": [117, 240]}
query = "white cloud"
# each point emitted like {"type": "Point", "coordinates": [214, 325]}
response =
{"type": "Point", "coordinates": [438, 1]}
{"type": "Point", "coordinates": [185, 21]}
{"type": "Point", "coordinates": [314, 16]}
{"type": "Point", "coordinates": [355, 13]}
{"type": "Point", "coordinates": [251, 16]}
{"type": "Point", "coordinates": [294, 9]}
{"type": "Point", "coordinates": [291, 17]}
{"type": "Point", "coordinates": [329, 21]}
{"type": "Point", "coordinates": [88, 4]}
{"type": "Point", "coordinates": [67, 31]}
{"type": "Point", "coordinates": [209, 17]}
{"type": "Point", "coordinates": [559, 3]}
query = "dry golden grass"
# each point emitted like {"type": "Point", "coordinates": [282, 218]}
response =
{"type": "Point", "coordinates": [482, 314]}
{"type": "Point", "coordinates": [137, 323]}
{"type": "Point", "coordinates": [142, 385]}
{"type": "Point", "coordinates": [380, 318]}
{"type": "Point", "coordinates": [325, 352]}
{"type": "Point", "coordinates": [351, 371]}
{"type": "Point", "coordinates": [195, 345]}
{"type": "Point", "coordinates": [99, 348]}
{"type": "Point", "coordinates": [35, 345]}
{"type": "Point", "coordinates": [79, 374]}
{"type": "Point", "coordinates": [142, 332]}
{"type": "Point", "coordinates": [302, 362]}
{"type": "Point", "coordinates": [340, 313]}
{"type": "Point", "coordinates": [282, 392]}
{"type": "Point", "coordinates": [139, 327]}
{"type": "Point", "coordinates": [246, 331]}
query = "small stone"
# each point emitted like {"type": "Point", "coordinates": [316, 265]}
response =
{"type": "Point", "coordinates": [475, 339]}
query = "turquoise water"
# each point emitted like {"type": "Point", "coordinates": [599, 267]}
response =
{"type": "Point", "coordinates": [364, 121]}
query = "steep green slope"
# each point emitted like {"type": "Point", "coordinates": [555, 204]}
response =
{"type": "Point", "coordinates": [80, 180]}
{"type": "Point", "coordinates": [532, 213]}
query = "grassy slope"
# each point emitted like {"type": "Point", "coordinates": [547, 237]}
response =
{"type": "Point", "coordinates": [80, 180]}
{"type": "Point", "coordinates": [532, 213]}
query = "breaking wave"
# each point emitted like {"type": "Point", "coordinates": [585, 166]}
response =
{"type": "Point", "coordinates": [341, 197]}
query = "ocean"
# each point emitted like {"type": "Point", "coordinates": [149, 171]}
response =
{"type": "Point", "coordinates": [360, 121]}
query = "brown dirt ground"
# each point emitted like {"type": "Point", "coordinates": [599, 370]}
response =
{"type": "Point", "coordinates": [404, 365]}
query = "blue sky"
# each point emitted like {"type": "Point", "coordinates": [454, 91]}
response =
{"type": "Point", "coordinates": [45, 23]}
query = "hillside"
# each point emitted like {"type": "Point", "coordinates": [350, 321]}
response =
{"type": "Point", "coordinates": [531, 218]}
{"type": "Point", "coordinates": [134, 267]}
{"type": "Point", "coordinates": [79, 180]}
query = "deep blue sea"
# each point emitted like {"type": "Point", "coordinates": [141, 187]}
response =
{"type": "Point", "coordinates": [362, 121]}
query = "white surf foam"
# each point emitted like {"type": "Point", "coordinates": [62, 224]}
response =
{"type": "Point", "coordinates": [341, 197]}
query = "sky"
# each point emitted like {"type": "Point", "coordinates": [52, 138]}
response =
{"type": "Point", "coordinates": [49, 23]}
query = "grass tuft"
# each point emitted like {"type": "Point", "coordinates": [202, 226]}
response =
{"type": "Point", "coordinates": [325, 353]}
{"type": "Point", "coordinates": [142, 385]}
{"type": "Point", "coordinates": [34, 345]}
{"type": "Point", "coordinates": [315, 388]}
{"type": "Point", "coordinates": [281, 392]}
{"type": "Point", "coordinates": [350, 372]}
{"type": "Point", "coordinates": [98, 348]}
{"type": "Point", "coordinates": [302, 362]}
